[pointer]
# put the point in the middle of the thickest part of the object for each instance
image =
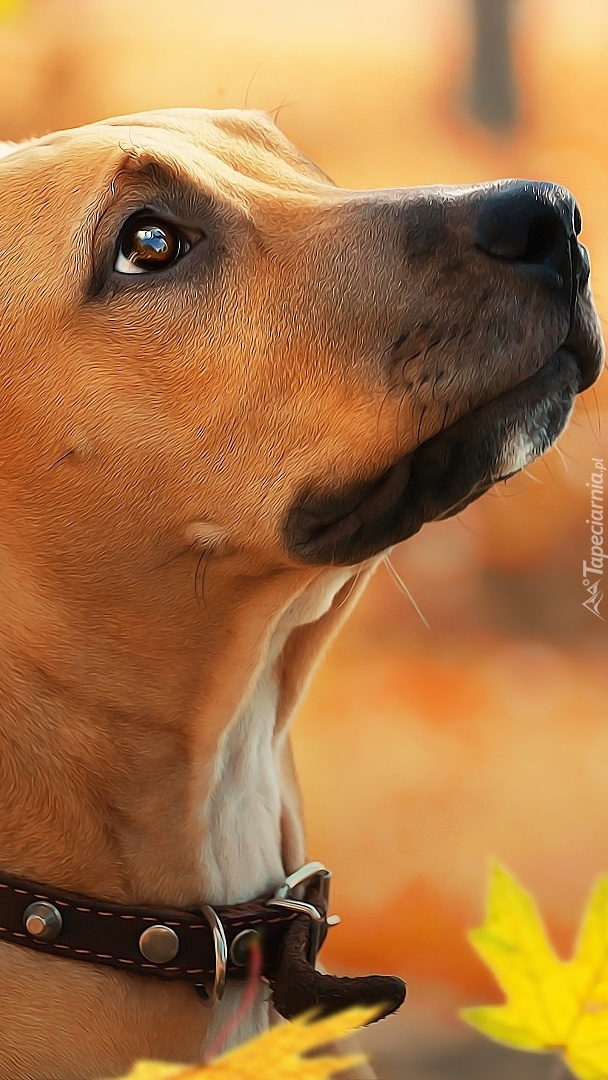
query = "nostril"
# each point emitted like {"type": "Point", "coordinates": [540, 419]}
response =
{"type": "Point", "coordinates": [531, 226]}
{"type": "Point", "coordinates": [545, 237]}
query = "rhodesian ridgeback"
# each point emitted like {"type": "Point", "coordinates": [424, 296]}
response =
{"type": "Point", "coordinates": [229, 388]}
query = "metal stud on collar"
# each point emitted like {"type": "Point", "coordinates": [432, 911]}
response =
{"type": "Point", "coordinates": [159, 944]}
{"type": "Point", "coordinates": [43, 921]}
{"type": "Point", "coordinates": [241, 946]}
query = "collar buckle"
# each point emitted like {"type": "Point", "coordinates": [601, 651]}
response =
{"type": "Point", "coordinates": [313, 873]}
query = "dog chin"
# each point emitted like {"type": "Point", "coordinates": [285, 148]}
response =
{"type": "Point", "coordinates": [440, 477]}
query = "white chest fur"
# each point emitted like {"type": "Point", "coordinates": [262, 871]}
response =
{"type": "Point", "coordinates": [241, 855]}
{"type": "Point", "coordinates": [242, 849]}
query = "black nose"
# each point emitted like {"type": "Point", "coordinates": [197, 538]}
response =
{"type": "Point", "coordinates": [533, 226]}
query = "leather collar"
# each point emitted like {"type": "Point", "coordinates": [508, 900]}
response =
{"type": "Point", "coordinates": [203, 946]}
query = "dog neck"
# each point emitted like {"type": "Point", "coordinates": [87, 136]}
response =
{"type": "Point", "coordinates": [160, 790]}
{"type": "Point", "coordinates": [252, 832]}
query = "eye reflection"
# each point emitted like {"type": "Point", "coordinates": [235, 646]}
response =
{"type": "Point", "coordinates": [149, 244]}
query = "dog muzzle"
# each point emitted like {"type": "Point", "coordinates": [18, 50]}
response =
{"type": "Point", "coordinates": [205, 946]}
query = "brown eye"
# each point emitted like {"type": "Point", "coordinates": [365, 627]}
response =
{"type": "Point", "coordinates": [149, 244]}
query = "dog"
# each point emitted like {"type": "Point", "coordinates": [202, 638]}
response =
{"type": "Point", "coordinates": [229, 388]}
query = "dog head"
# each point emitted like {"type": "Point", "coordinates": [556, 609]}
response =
{"type": "Point", "coordinates": [206, 343]}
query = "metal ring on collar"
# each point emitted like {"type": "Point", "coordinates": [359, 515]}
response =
{"type": "Point", "coordinates": [220, 945]}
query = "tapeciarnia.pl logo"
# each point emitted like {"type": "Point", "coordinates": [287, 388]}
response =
{"type": "Point", "coordinates": [593, 571]}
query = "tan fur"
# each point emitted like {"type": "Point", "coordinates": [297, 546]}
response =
{"type": "Point", "coordinates": [143, 430]}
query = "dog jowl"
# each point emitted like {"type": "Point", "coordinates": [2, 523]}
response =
{"type": "Point", "coordinates": [498, 335]}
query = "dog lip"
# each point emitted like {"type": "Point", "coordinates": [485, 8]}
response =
{"type": "Point", "coordinates": [442, 475]}
{"type": "Point", "coordinates": [318, 516]}
{"type": "Point", "coordinates": [589, 355]}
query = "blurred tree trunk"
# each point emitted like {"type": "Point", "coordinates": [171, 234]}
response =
{"type": "Point", "coordinates": [492, 95]}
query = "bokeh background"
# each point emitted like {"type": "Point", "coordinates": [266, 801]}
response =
{"type": "Point", "coordinates": [423, 750]}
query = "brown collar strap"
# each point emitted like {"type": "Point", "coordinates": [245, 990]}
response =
{"type": "Point", "coordinates": [204, 946]}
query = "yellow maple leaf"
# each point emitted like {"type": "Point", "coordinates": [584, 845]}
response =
{"type": "Point", "coordinates": [552, 1004]}
{"type": "Point", "coordinates": [275, 1055]}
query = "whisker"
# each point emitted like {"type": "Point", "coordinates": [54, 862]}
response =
{"type": "Point", "coordinates": [403, 587]}
{"type": "Point", "coordinates": [598, 412]}
{"type": "Point", "coordinates": [545, 461]}
{"type": "Point", "coordinates": [68, 453]}
{"type": "Point", "coordinates": [284, 105]}
{"type": "Point", "coordinates": [562, 456]}
{"type": "Point", "coordinates": [202, 561]}
{"type": "Point", "coordinates": [172, 558]}
{"type": "Point", "coordinates": [530, 476]}
{"type": "Point", "coordinates": [352, 588]}
{"type": "Point", "coordinates": [501, 490]}
{"type": "Point", "coordinates": [596, 431]}
{"type": "Point", "coordinates": [249, 84]}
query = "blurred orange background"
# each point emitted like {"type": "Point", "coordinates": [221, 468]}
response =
{"type": "Point", "coordinates": [422, 751]}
